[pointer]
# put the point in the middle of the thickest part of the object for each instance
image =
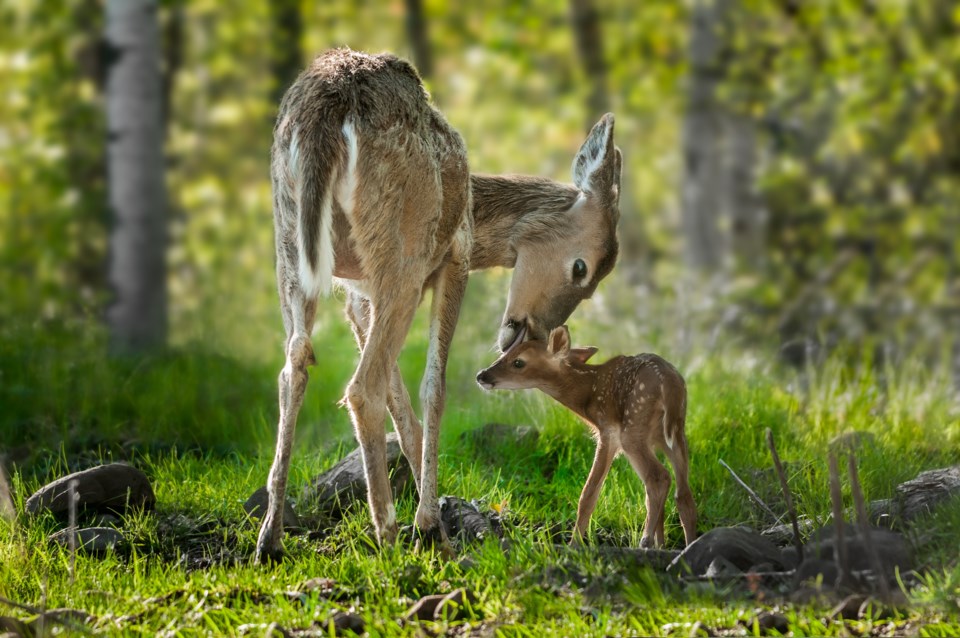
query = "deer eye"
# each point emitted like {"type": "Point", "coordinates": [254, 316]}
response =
{"type": "Point", "coordinates": [519, 363]}
{"type": "Point", "coordinates": [579, 269]}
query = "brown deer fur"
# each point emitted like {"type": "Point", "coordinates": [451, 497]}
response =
{"type": "Point", "coordinates": [371, 190]}
{"type": "Point", "coordinates": [635, 404]}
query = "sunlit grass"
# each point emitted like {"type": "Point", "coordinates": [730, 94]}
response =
{"type": "Point", "coordinates": [202, 427]}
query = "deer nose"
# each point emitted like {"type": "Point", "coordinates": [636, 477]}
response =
{"type": "Point", "coordinates": [512, 330]}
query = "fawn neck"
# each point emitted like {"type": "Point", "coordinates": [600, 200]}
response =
{"type": "Point", "coordinates": [507, 207]}
{"type": "Point", "coordinates": [576, 387]}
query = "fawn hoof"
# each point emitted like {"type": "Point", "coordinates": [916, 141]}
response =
{"type": "Point", "coordinates": [647, 542]}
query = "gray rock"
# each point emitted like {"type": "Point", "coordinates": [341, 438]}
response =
{"type": "Point", "coordinates": [783, 534]}
{"type": "Point", "coordinates": [497, 434]}
{"type": "Point", "coordinates": [345, 483]}
{"type": "Point", "coordinates": [892, 549]}
{"type": "Point", "coordinates": [741, 546]}
{"type": "Point", "coordinates": [922, 494]}
{"type": "Point", "coordinates": [115, 486]}
{"type": "Point", "coordinates": [92, 540]}
{"type": "Point", "coordinates": [816, 569]}
{"type": "Point", "coordinates": [257, 504]}
{"type": "Point", "coordinates": [720, 567]}
{"type": "Point", "coordinates": [462, 519]}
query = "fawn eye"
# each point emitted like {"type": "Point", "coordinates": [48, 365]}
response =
{"type": "Point", "coordinates": [519, 363]}
{"type": "Point", "coordinates": [579, 269]}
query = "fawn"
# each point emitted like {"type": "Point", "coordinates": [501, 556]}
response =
{"type": "Point", "coordinates": [372, 192]}
{"type": "Point", "coordinates": [635, 404]}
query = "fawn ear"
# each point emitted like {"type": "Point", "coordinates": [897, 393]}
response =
{"type": "Point", "coordinates": [558, 342]}
{"type": "Point", "coordinates": [596, 168]}
{"type": "Point", "coordinates": [582, 354]}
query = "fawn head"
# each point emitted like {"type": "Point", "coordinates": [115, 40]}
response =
{"type": "Point", "coordinates": [533, 364]}
{"type": "Point", "coordinates": [557, 267]}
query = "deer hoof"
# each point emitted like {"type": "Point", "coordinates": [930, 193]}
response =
{"type": "Point", "coordinates": [269, 549]}
{"type": "Point", "coordinates": [434, 538]}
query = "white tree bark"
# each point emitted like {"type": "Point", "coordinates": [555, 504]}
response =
{"type": "Point", "coordinates": [137, 316]}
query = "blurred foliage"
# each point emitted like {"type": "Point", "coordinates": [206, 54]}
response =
{"type": "Point", "coordinates": [856, 104]}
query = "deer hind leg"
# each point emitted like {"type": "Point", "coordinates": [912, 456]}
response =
{"type": "Point", "coordinates": [656, 482]}
{"type": "Point", "coordinates": [298, 314]}
{"type": "Point", "coordinates": [366, 398]}
{"type": "Point", "coordinates": [405, 420]}
{"type": "Point", "coordinates": [444, 311]}
{"type": "Point", "coordinates": [680, 460]}
{"type": "Point", "coordinates": [602, 460]}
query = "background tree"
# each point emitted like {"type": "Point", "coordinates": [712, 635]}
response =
{"type": "Point", "coordinates": [286, 50]}
{"type": "Point", "coordinates": [137, 316]}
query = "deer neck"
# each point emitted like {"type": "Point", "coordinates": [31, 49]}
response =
{"type": "Point", "coordinates": [508, 209]}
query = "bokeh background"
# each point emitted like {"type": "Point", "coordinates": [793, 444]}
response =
{"type": "Point", "coordinates": [790, 194]}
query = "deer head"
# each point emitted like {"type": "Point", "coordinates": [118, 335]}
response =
{"type": "Point", "coordinates": [534, 364]}
{"type": "Point", "coordinates": [560, 263]}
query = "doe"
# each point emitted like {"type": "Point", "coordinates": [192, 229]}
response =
{"type": "Point", "coordinates": [633, 404]}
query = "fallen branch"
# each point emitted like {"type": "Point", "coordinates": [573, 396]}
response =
{"type": "Point", "coordinates": [753, 495]}
{"type": "Point", "coordinates": [791, 511]}
{"type": "Point", "coordinates": [865, 527]}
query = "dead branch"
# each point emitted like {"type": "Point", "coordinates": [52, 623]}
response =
{"type": "Point", "coordinates": [753, 495]}
{"type": "Point", "coordinates": [787, 496]}
{"type": "Point", "coordinates": [865, 527]}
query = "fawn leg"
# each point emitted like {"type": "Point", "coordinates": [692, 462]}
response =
{"type": "Point", "coordinates": [366, 398]}
{"type": "Point", "coordinates": [444, 312]}
{"type": "Point", "coordinates": [405, 421]}
{"type": "Point", "coordinates": [680, 460]}
{"type": "Point", "coordinates": [602, 460]}
{"type": "Point", "coordinates": [656, 481]}
{"type": "Point", "coordinates": [298, 316]}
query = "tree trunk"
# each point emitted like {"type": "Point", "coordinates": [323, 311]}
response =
{"type": "Point", "coordinates": [586, 33]}
{"type": "Point", "coordinates": [419, 37]}
{"type": "Point", "coordinates": [742, 204]}
{"type": "Point", "coordinates": [286, 53]}
{"type": "Point", "coordinates": [702, 140]}
{"type": "Point", "coordinates": [137, 316]}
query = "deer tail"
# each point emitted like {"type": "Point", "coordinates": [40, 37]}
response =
{"type": "Point", "coordinates": [316, 161]}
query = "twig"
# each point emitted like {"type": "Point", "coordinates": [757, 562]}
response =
{"type": "Point", "coordinates": [840, 549]}
{"type": "Point", "coordinates": [753, 495]}
{"type": "Point", "coordinates": [72, 535]}
{"type": "Point", "coordinates": [865, 527]}
{"type": "Point", "coordinates": [791, 511]}
{"type": "Point", "coordinates": [42, 615]}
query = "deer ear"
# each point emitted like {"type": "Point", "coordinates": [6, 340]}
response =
{"type": "Point", "coordinates": [558, 342]}
{"type": "Point", "coordinates": [596, 168]}
{"type": "Point", "coordinates": [582, 354]}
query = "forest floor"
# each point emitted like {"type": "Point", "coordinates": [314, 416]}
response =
{"type": "Point", "coordinates": [201, 428]}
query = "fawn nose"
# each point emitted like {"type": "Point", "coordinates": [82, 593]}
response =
{"type": "Point", "coordinates": [484, 379]}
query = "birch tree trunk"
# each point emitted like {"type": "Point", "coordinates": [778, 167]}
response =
{"type": "Point", "coordinates": [137, 316]}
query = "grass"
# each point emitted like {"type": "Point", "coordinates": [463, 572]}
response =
{"type": "Point", "coordinates": [202, 427]}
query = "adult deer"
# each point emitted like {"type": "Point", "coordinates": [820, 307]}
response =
{"type": "Point", "coordinates": [371, 188]}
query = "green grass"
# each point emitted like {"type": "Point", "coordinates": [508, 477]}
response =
{"type": "Point", "coordinates": [202, 427]}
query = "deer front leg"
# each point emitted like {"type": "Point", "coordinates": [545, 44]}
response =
{"type": "Point", "coordinates": [444, 312]}
{"type": "Point", "coordinates": [405, 421]}
{"type": "Point", "coordinates": [602, 460]}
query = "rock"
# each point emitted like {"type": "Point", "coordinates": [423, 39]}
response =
{"type": "Point", "coordinates": [720, 567]}
{"type": "Point", "coordinates": [851, 441]}
{"type": "Point", "coordinates": [347, 623]}
{"type": "Point", "coordinates": [463, 520]}
{"type": "Point", "coordinates": [93, 540]}
{"type": "Point", "coordinates": [656, 559]}
{"type": "Point", "coordinates": [816, 570]}
{"type": "Point", "coordinates": [783, 534]}
{"type": "Point", "coordinates": [892, 549]}
{"type": "Point", "coordinates": [789, 556]}
{"type": "Point", "coordinates": [440, 606]}
{"type": "Point", "coordinates": [883, 513]}
{"type": "Point", "coordinates": [257, 504]}
{"type": "Point", "coordinates": [767, 621]}
{"type": "Point", "coordinates": [345, 483]}
{"type": "Point", "coordinates": [741, 546]}
{"type": "Point", "coordinates": [115, 486]}
{"type": "Point", "coordinates": [922, 494]}
{"type": "Point", "coordinates": [498, 434]}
